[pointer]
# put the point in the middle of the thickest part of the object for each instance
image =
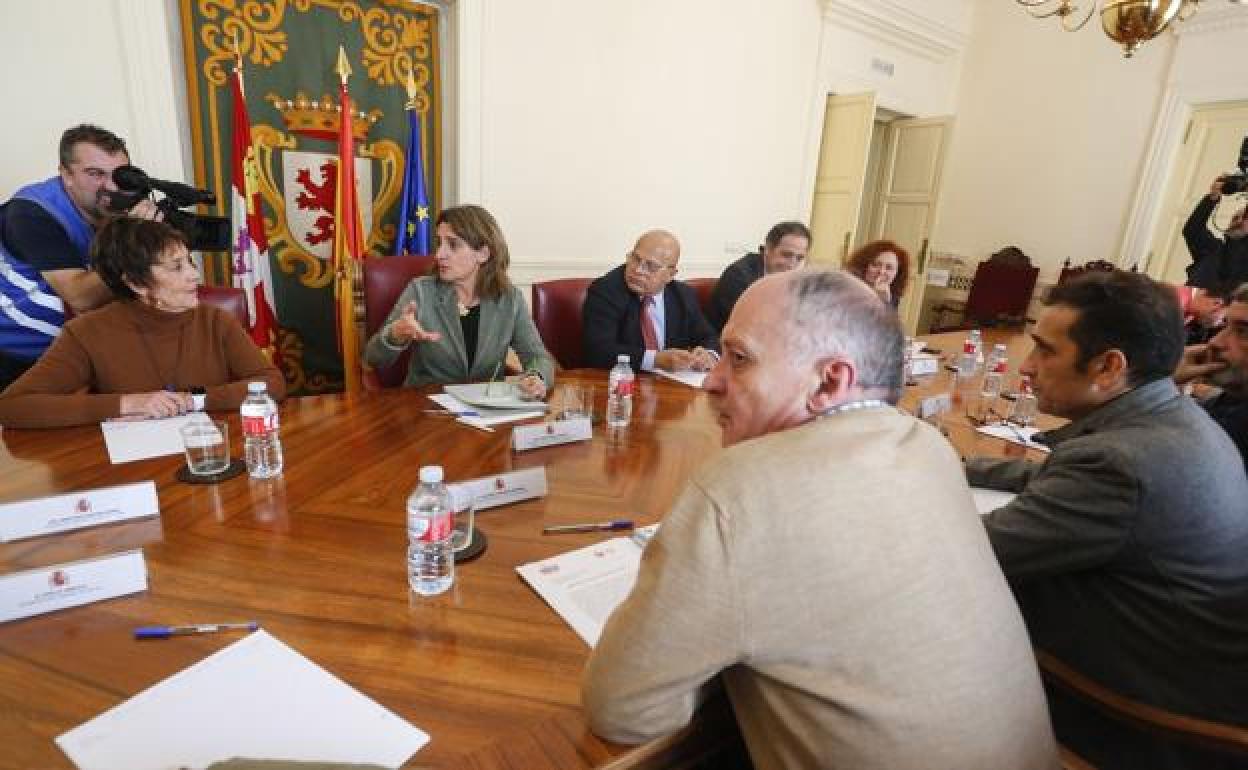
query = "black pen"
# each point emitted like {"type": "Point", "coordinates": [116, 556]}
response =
{"type": "Point", "coordinates": [601, 526]}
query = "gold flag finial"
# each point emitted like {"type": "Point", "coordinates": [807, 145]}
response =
{"type": "Point", "coordinates": [344, 68]}
{"type": "Point", "coordinates": [410, 85]}
{"type": "Point", "coordinates": [238, 53]}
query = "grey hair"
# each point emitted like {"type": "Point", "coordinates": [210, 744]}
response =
{"type": "Point", "coordinates": [833, 313]}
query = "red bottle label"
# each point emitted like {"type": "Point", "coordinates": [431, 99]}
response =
{"type": "Point", "coordinates": [433, 529]}
{"type": "Point", "coordinates": [624, 387]}
{"type": "Point", "coordinates": [258, 426]}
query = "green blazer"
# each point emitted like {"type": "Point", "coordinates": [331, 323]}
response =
{"type": "Point", "coordinates": [505, 323]}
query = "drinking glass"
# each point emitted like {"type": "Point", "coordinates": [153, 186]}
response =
{"type": "Point", "coordinates": [207, 445]}
{"type": "Point", "coordinates": [463, 506]}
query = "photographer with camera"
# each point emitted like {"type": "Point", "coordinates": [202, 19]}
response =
{"type": "Point", "coordinates": [45, 233]}
{"type": "Point", "coordinates": [1219, 262]}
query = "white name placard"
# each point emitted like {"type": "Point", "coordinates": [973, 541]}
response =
{"type": "Point", "coordinates": [490, 491]}
{"type": "Point", "coordinates": [61, 513]}
{"type": "Point", "coordinates": [550, 433]}
{"type": "Point", "coordinates": [36, 591]}
{"type": "Point", "coordinates": [924, 363]}
{"type": "Point", "coordinates": [934, 405]}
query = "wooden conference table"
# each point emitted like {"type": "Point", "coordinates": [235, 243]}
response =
{"type": "Point", "coordinates": [317, 556]}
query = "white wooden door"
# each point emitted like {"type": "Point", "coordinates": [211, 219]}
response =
{"type": "Point", "coordinates": [910, 186]}
{"type": "Point", "coordinates": [1210, 147]}
{"type": "Point", "coordinates": [839, 179]}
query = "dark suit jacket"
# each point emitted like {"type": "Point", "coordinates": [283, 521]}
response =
{"type": "Point", "coordinates": [611, 319]}
{"type": "Point", "coordinates": [736, 278]}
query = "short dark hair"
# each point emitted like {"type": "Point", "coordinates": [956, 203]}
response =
{"type": "Point", "coordinates": [1125, 311]}
{"type": "Point", "coordinates": [126, 248]}
{"type": "Point", "coordinates": [786, 228]}
{"type": "Point", "coordinates": [1240, 294]}
{"type": "Point", "coordinates": [100, 137]}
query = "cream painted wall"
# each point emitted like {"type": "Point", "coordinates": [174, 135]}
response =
{"type": "Point", "coordinates": [602, 119]}
{"type": "Point", "coordinates": [115, 65]}
{"type": "Point", "coordinates": [1051, 134]}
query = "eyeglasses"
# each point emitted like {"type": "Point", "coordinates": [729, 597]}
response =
{"type": "Point", "coordinates": [646, 265]}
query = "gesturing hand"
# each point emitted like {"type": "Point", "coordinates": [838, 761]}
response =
{"type": "Point", "coordinates": [884, 288]}
{"type": "Point", "coordinates": [1196, 363]}
{"type": "Point", "coordinates": [159, 403]}
{"type": "Point", "coordinates": [407, 329]}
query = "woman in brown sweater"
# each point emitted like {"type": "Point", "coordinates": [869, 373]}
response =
{"type": "Point", "coordinates": [139, 357]}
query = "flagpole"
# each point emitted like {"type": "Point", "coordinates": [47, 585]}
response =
{"type": "Point", "coordinates": [347, 241]}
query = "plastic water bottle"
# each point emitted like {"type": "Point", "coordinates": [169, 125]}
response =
{"type": "Point", "coordinates": [262, 446]}
{"type": "Point", "coordinates": [989, 390]}
{"type": "Point", "coordinates": [966, 361]}
{"type": "Point", "coordinates": [977, 338]}
{"type": "Point", "coordinates": [430, 522]}
{"type": "Point", "coordinates": [620, 393]}
{"type": "Point", "coordinates": [998, 352]}
{"type": "Point", "coordinates": [1025, 405]}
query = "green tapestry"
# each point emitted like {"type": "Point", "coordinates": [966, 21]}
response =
{"type": "Point", "coordinates": [289, 48]}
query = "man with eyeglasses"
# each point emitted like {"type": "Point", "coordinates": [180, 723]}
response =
{"type": "Point", "coordinates": [638, 310]}
{"type": "Point", "coordinates": [45, 231]}
{"type": "Point", "coordinates": [785, 248]}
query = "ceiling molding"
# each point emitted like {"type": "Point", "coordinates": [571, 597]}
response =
{"type": "Point", "coordinates": [1213, 19]}
{"type": "Point", "coordinates": [891, 23]}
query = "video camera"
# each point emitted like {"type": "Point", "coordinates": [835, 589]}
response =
{"type": "Point", "coordinates": [1237, 183]}
{"type": "Point", "coordinates": [203, 232]}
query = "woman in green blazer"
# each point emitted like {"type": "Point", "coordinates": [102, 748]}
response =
{"type": "Point", "coordinates": [465, 315]}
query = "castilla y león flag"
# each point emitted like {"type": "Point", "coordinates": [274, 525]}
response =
{"type": "Point", "coordinates": [251, 248]}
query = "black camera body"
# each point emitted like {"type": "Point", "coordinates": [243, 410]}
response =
{"type": "Point", "coordinates": [1237, 183]}
{"type": "Point", "coordinates": [203, 232]}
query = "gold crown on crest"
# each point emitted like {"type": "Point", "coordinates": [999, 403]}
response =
{"type": "Point", "coordinates": [321, 118]}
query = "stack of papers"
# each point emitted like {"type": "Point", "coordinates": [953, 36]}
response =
{"type": "Point", "coordinates": [1014, 434]}
{"type": "Point", "coordinates": [481, 417]}
{"type": "Point", "coordinates": [685, 377]}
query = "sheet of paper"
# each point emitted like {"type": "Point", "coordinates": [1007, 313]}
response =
{"type": "Point", "coordinates": [989, 500]}
{"type": "Point", "coordinates": [1013, 434]}
{"type": "Point", "coordinates": [257, 698]}
{"type": "Point", "coordinates": [586, 585]}
{"type": "Point", "coordinates": [60, 586]}
{"type": "Point", "coordinates": [687, 377]}
{"type": "Point", "coordinates": [481, 418]}
{"type": "Point", "coordinates": [62, 513]}
{"type": "Point", "coordinates": [492, 491]}
{"type": "Point", "coordinates": [129, 440]}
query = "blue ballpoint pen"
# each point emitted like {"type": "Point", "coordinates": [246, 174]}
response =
{"type": "Point", "coordinates": [164, 632]}
{"type": "Point", "coordinates": [602, 526]}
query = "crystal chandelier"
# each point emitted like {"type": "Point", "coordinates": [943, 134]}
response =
{"type": "Point", "coordinates": [1127, 22]}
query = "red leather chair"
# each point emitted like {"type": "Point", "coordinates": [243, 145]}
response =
{"type": "Point", "coordinates": [1000, 293]}
{"type": "Point", "coordinates": [229, 299]}
{"type": "Point", "coordinates": [704, 287]}
{"type": "Point", "coordinates": [384, 280]}
{"type": "Point", "coordinates": [556, 307]}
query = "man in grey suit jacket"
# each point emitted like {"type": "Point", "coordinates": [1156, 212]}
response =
{"type": "Point", "coordinates": [1128, 547]}
{"type": "Point", "coordinates": [850, 626]}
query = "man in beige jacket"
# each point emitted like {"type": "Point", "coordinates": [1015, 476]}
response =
{"type": "Point", "coordinates": [829, 566]}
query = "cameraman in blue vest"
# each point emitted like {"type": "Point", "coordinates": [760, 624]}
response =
{"type": "Point", "coordinates": [45, 232]}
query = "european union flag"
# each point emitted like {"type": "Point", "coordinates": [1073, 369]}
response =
{"type": "Point", "coordinates": [414, 210]}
